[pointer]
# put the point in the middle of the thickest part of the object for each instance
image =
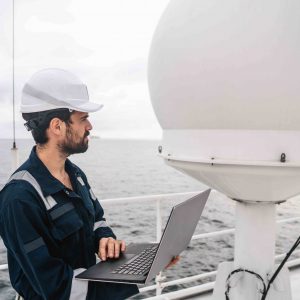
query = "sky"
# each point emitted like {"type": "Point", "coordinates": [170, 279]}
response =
{"type": "Point", "coordinates": [105, 43]}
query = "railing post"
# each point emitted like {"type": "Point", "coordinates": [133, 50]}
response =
{"type": "Point", "coordinates": [158, 221]}
{"type": "Point", "coordinates": [159, 277]}
{"type": "Point", "coordinates": [14, 158]}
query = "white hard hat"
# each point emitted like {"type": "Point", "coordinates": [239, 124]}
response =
{"type": "Point", "coordinates": [56, 88]}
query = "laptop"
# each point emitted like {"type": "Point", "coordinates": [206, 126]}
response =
{"type": "Point", "coordinates": [142, 262]}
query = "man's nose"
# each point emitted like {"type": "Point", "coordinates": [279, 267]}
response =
{"type": "Point", "coordinates": [89, 126]}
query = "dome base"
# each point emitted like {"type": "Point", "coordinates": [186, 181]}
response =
{"type": "Point", "coordinates": [252, 183]}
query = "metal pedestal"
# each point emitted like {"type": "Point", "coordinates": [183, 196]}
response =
{"type": "Point", "coordinates": [255, 252]}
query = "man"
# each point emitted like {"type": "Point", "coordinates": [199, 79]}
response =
{"type": "Point", "coordinates": [50, 219]}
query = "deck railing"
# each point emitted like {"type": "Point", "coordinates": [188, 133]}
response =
{"type": "Point", "coordinates": [161, 282]}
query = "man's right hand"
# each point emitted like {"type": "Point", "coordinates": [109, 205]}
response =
{"type": "Point", "coordinates": [110, 248]}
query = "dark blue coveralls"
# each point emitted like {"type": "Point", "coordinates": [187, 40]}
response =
{"type": "Point", "coordinates": [47, 240]}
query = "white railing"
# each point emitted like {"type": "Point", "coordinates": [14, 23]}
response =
{"type": "Point", "coordinates": [160, 279]}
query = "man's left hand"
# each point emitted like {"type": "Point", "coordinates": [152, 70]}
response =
{"type": "Point", "coordinates": [110, 248]}
{"type": "Point", "coordinates": [173, 262]}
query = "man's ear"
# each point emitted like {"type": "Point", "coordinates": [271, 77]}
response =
{"type": "Point", "coordinates": [56, 127]}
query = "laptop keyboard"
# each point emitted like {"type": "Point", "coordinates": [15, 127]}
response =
{"type": "Point", "coordinates": [140, 264]}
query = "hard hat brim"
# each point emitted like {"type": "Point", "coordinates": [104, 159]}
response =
{"type": "Point", "coordinates": [87, 107]}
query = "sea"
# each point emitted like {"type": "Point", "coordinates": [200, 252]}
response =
{"type": "Point", "coordinates": [127, 168]}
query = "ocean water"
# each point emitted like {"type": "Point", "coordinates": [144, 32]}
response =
{"type": "Point", "coordinates": [123, 168]}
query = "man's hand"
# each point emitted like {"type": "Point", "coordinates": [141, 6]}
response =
{"type": "Point", "coordinates": [173, 262]}
{"type": "Point", "coordinates": [110, 248]}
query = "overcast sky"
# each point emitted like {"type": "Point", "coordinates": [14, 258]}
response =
{"type": "Point", "coordinates": [105, 42]}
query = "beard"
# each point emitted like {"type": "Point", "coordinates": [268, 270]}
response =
{"type": "Point", "coordinates": [74, 143]}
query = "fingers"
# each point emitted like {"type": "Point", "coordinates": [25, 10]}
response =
{"type": "Point", "coordinates": [173, 262]}
{"type": "Point", "coordinates": [123, 246]}
{"type": "Point", "coordinates": [117, 249]}
{"type": "Point", "coordinates": [110, 248]}
{"type": "Point", "coordinates": [102, 248]}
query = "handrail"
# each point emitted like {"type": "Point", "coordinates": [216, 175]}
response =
{"type": "Point", "coordinates": [181, 281]}
{"type": "Point", "coordinates": [186, 292]}
{"type": "Point", "coordinates": [160, 285]}
{"type": "Point", "coordinates": [232, 230]}
{"type": "Point", "coordinates": [150, 198]}
{"type": "Point", "coordinates": [3, 267]}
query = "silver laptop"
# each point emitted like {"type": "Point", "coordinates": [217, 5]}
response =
{"type": "Point", "coordinates": [141, 262]}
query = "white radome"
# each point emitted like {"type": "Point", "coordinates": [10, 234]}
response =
{"type": "Point", "coordinates": [224, 84]}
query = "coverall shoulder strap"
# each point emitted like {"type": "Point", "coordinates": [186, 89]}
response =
{"type": "Point", "coordinates": [49, 201]}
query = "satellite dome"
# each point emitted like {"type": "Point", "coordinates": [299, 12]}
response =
{"type": "Point", "coordinates": [224, 84]}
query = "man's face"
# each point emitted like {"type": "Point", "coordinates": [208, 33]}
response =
{"type": "Point", "coordinates": [76, 136]}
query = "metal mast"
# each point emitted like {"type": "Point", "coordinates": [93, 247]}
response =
{"type": "Point", "coordinates": [14, 149]}
{"type": "Point", "coordinates": [13, 73]}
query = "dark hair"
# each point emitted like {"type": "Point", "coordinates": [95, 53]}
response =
{"type": "Point", "coordinates": [38, 122]}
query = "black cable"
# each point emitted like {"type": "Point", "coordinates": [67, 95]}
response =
{"type": "Point", "coordinates": [265, 289]}
{"type": "Point", "coordinates": [296, 244]}
{"type": "Point", "coordinates": [228, 287]}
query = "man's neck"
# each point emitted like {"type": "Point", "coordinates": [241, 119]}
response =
{"type": "Point", "coordinates": [53, 159]}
